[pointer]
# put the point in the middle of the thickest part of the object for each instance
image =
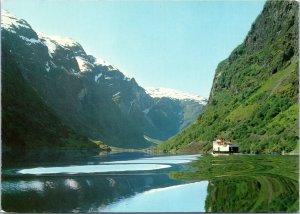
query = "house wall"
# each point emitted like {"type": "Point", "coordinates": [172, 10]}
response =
{"type": "Point", "coordinates": [222, 148]}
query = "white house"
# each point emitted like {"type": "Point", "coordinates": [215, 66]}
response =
{"type": "Point", "coordinates": [220, 146]}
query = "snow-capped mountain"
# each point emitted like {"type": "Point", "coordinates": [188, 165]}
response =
{"type": "Point", "coordinates": [88, 94]}
{"type": "Point", "coordinates": [55, 42]}
{"type": "Point", "coordinates": [174, 94]}
{"type": "Point", "coordinates": [11, 22]}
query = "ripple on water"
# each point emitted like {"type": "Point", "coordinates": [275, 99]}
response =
{"type": "Point", "coordinates": [141, 164]}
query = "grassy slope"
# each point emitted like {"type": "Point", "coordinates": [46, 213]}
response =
{"type": "Point", "coordinates": [248, 183]}
{"type": "Point", "coordinates": [254, 96]}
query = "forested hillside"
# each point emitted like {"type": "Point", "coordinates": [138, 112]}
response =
{"type": "Point", "coordinates": [254, 97]}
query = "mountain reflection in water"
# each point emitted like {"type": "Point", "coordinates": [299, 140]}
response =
{"type": "Point", "coordinates": [87, 192]}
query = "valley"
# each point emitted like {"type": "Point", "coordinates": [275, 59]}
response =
{"type": "Point", "coordinates": [85, 94]}
{"type": "Point", "coordinates": [78, 135]}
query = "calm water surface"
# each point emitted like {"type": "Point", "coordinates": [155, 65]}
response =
{"type": "Point", "coordinates": [128, 182]}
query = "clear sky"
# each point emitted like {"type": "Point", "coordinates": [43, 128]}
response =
{"type": "Point", "coordinates": [172, 44]}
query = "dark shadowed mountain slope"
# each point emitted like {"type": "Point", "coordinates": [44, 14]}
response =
{"type": "Point", "coordinates": [30, 130]}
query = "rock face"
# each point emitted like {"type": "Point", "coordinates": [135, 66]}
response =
{"type": "Point", "coordinates": [254, 97]}
{"type": "Point", "coordinates": [88, 94]}
{"type": "Point", "coordinates": [274, 21]}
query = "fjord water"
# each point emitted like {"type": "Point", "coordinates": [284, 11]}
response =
{"type": "Point", "coordinates": [117, 182]}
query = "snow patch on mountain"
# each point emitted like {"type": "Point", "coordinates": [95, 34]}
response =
{"type": "Point", "coordinates": [102, 62]}
{"type": "Point", "coordinates": [11, 23]}
{"type": "Point", "coordinates": [116, 94]}
{"type": "Point", "coordinates": [52, 42]}
{"type": "Point", "coordinates": [62, 41]}
{"type": "Point", "coordinates": [48, 42]}
{"type": "Point", "coordinates": [47, 67]}
{"type": "Point", "coordinates": [97, 77]}
{"type": "Point", "coordinates": [30, 41]}
{"type": "Point", "coordinates": [53, 64]}
{"type": "Point", "coordinates": [126, 78]}
{"type": "Point", "coordinates": [83, 64]}
{"type": "Point", "coordinates": [146, 111]}
{"type": "Point", "coordinates": [174, 94]}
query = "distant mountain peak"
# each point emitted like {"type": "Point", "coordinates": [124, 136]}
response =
{"type": "Point", "coordinates": [62, 41]}
{"type": "Point", "coordinates": [102, 62]}
{"type": "Point", "coordinates": [174, 94]}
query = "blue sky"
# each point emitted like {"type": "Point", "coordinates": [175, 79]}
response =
{"type": "Point", "coordinates": [173, 44]}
